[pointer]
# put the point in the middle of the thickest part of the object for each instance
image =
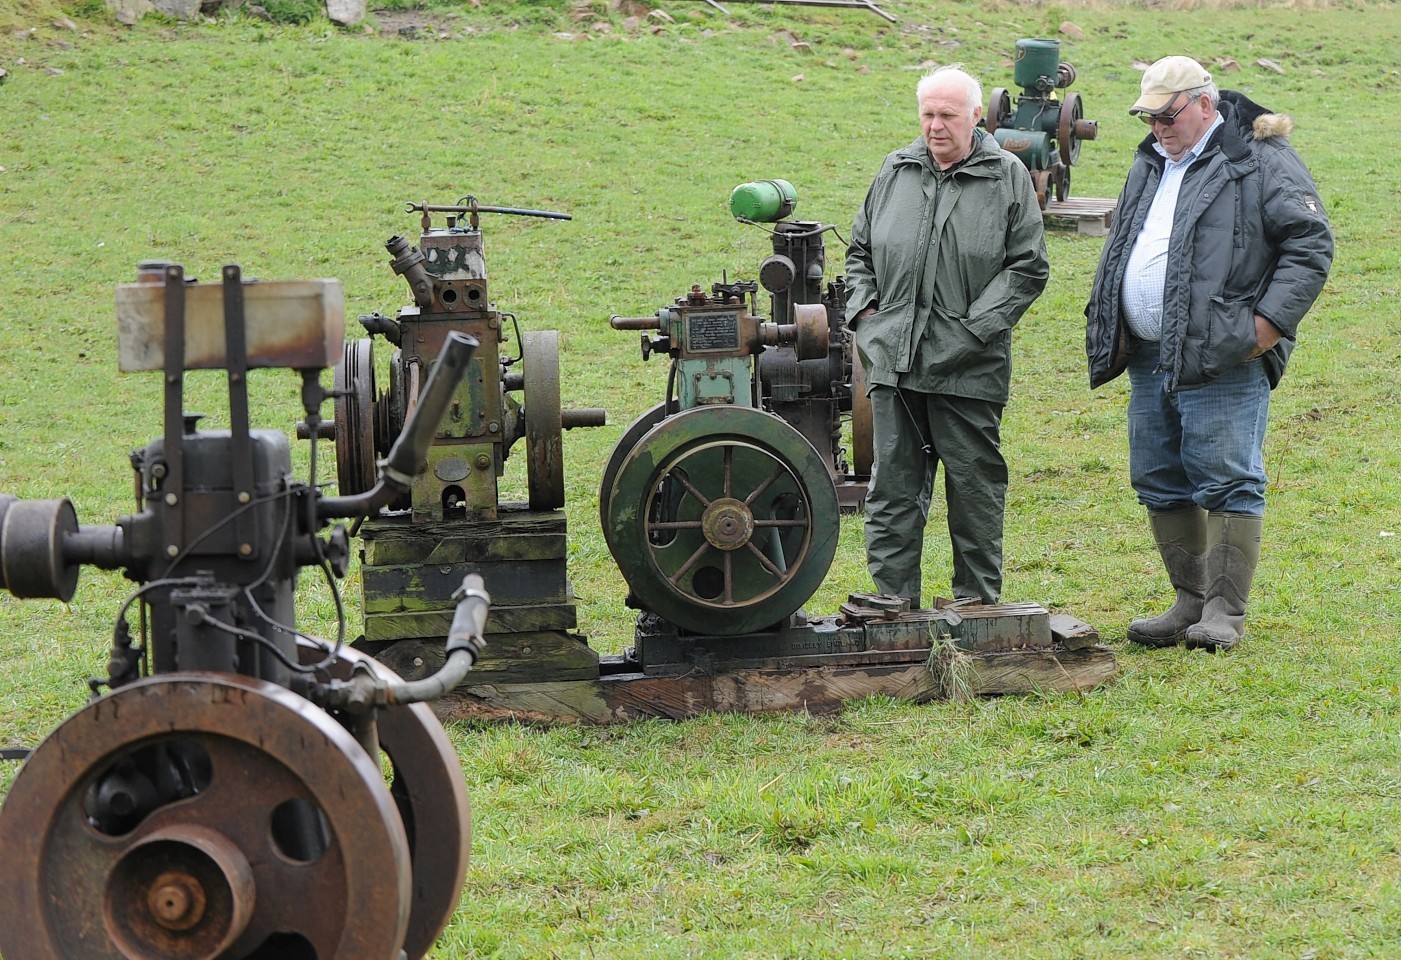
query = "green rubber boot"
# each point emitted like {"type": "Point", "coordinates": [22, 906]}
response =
{"type": "Point", "coordinates": [1233, 550]}
{"type": "Point", "coordinates": [1181, 537]}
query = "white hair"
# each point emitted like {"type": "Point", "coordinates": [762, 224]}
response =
{"type": "Point", "coordinates": [940, 75]}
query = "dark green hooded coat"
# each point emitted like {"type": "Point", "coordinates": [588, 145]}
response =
{"type": "Point", "coordinates": [982, 230]}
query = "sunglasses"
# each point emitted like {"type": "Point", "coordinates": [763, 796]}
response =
{"type": "Point", "coordinates": [1166, 119]}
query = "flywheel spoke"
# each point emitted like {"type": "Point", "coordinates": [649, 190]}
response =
{"type": "Point", "coordinates": [690, 562]}
{"type": "Point", "coordinates": [778, 472]}
{"type": "Point", "coordinates": [764, 561]}
{"type": "Point", "coordinates": [685, 481]}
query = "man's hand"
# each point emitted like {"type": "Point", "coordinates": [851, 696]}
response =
{"type": "Point", "coordinates": [1266, 336]}
{"type": "Point", "coordinates": [861, 316]}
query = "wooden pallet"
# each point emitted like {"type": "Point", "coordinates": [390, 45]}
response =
{"type": "Point", "coordinates": [1092, 216]}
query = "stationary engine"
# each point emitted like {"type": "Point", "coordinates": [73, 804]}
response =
{"type": "Point", "coordinates": [720, 503]}
{"type": "Point", "coordinates": [454, 520]}
{"type": "Point", "coordinates": [222, 795]}
{"type": "Point", "coordinates": [1047, 128]}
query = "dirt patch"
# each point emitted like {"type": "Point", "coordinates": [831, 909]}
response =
{"type": "Point", "coordinates": [417, 24]}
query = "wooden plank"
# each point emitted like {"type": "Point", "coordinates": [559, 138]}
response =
{"type": "Point", "coordinates": [1003, 626]}
{"type": "Point", "coordinates": [507, 658]}
{"type": "Point", "coordinates": [435, 623]}
{"type": "Point", "coordinates": [395, 541]}
{"type": "Point", "coordinates": [963, 676]}
{"type": "Point", "coordinates": [620, 697]}
{"type": "Point", "coordinates": [1072, 633]}
{"type": "Point", "coordinates": [624, 697]}
{"type": "Point", "coordinates": [510, 583]}
{"type": "Point", "coordinates": [287, 323]}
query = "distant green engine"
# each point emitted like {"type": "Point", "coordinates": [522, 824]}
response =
{"type": "Point", "coordinates": [1045, 131]}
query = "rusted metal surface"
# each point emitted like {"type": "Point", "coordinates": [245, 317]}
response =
{"type": "Point", "coordinates": [354, 383]}
{"type": "Point", "coordinates": [284, 834]}
{"type": "Point", "coordinates": [290, 323]}
{"type": "Point", "coordinates": [544, 446]}
{"type": "Point", "coordinates": [426, 784]}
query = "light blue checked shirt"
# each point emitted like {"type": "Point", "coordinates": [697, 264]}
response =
{"type": "Point", "coordinates": [1142, 293]}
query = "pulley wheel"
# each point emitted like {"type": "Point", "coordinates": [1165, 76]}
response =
{"type": "Point", "coordinates": [544, 445]}
{"type": "Point", "coordinates": [999, 112]}
{"type": "Point", "coordinates": [863, 446]}
{"type": "Point", "coordinates": [723, 519]}
{"type": "Point", "coordinates": [1070, 111]}
{"type": "Point", "coordinates": [354, 384]}
{"type": "Point", "coordinates": [811, 331]}
{"type": "Point", "coordinates": [426, 784]}
{"type": "Point", "coordinates": [635, 432]}
{"type": "Point", "coordinates": [282, 839]}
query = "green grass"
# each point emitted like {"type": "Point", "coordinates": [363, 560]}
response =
{"type": "Point", "coordinates": [1237, 806]}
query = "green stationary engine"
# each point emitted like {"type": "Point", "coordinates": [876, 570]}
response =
{"type": "Point", "coordinates": [720, 503]}
{"type": "Point", "coordinates": [1045, 131]}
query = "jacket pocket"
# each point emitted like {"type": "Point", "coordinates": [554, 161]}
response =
{"type": "Point", "coordinates": [953, 349]}
{"type": "Point", "coordinates": [878, 336]}
{"type": "Point", "coordinates": [1228, 339]}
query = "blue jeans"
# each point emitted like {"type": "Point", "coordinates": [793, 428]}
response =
{"type": "Point", "coordinates": [1202, 446]}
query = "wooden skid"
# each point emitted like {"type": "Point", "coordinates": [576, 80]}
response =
{"type": "Point", "coordinates": [510, 657]}
{"type": "Point", "coordinates": [812, 685]}
{"type": "Point", "coordinates": [1092, 216]}
{"type": "Point", "coordinates": [410, 571]}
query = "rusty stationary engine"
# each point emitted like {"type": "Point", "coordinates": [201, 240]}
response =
{"type": "Point", "coordinates": [454, 520]}
{"type": "Point", "coordinates": [224, 794]}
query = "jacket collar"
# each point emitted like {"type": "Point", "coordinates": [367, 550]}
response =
{"type": "Point", "coordinates": [985, 148]}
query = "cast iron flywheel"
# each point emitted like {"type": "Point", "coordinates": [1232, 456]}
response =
{"type": "Point", "coordinates": [544, 446]}
{"type": "Point", "coordinates": [282, 840]}
{"type": "Point", "coordinates": [354, 383]}
{"type": "Point", "coordinates": [638, 429]}
{"type": "Point", "coordinates": [723, 519]}
{"type": "Point", "coordinates": [425, 780]}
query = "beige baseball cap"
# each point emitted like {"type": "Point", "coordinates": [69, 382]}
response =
{"type": "Point", "coordinates": [1165, 80]}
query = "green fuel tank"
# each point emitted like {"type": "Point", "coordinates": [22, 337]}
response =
{"type": "Point", "coordinates": [763, 201]}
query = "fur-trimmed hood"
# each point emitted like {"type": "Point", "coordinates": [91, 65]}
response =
{"type": "Point", "coordinates": [1268, 125]}
{"type": "Point", "coordinates": [1258, 120]}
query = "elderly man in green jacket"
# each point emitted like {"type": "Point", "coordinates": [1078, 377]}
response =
{"type": "Point", "coordinates": [946, 255]}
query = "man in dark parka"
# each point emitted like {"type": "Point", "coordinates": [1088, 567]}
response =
{"type": "Point", "coordinates": [1219, 247]}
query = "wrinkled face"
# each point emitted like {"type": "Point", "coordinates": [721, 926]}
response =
{"type": "Point", "coordinates": [1187, 126]}
{"type": "Point", "coordinates": [947, 122]}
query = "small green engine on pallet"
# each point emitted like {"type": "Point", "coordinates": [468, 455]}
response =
{"type": "Point", "coordinates": [1046, 129]}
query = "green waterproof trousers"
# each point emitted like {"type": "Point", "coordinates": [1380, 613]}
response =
{"type": "Point", "coordinates": [913, 433]}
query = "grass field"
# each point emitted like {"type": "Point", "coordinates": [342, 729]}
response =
{"type": "Point", "coordinates": [1236, 806]}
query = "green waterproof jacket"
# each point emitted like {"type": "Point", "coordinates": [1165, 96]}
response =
{"type": "Point", "coordinates": [978, 229]}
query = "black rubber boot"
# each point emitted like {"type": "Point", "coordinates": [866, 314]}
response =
{"type": "Point", "coordinates": [1182, 540]}
{"type": "Point", "coordinates": [1233, 550]}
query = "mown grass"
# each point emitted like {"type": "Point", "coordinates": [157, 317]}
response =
{"type": "Point", "coordinates": [1235, 806]}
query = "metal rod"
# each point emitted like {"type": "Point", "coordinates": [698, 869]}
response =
{"type": "Point", "coordinates": [479, 208]}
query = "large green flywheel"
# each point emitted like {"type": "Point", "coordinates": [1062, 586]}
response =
{"type": "Point", "coordinates": [723, 519]}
